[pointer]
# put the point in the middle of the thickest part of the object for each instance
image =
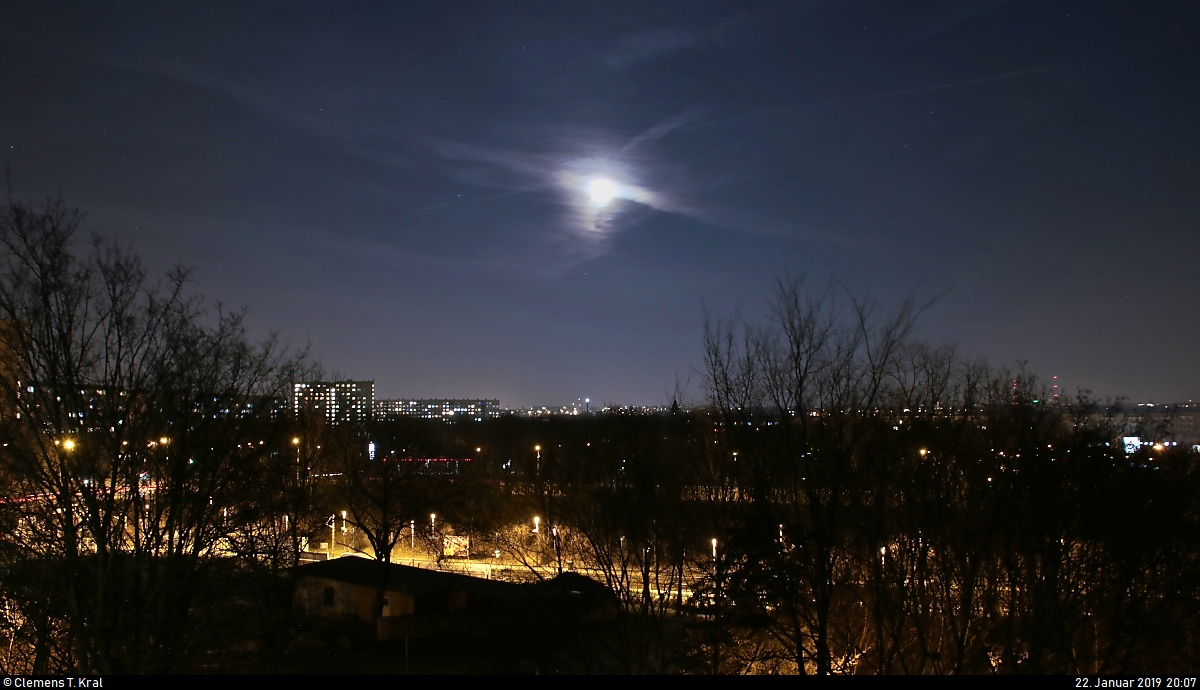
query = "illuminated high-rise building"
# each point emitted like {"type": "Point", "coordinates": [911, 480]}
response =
{"type": "Point", "coordinates": [338, 401]}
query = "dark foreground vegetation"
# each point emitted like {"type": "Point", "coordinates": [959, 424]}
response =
{"type": "Point", "coordinates": [842, 500]}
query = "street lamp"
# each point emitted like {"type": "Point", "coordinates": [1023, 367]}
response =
{"type": "Point", "coordinates": [557, 548]}
{"type": "Point", "coordinates": [716, 576]}
{"type": "Point", "coordinates": [343, 522]}
{"type": "Point", "coordinates": [536, 520]}
{"type": "Point", "coordinates": [332, 533]}
{"type": "Point", "coordinates": [412, 542]}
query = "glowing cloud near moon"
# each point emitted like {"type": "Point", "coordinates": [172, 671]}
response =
{"type": "Point", "coordinates": [602, 191]}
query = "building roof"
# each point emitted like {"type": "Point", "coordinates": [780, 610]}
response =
{"type": "Point", "coordinates": [403, 578]}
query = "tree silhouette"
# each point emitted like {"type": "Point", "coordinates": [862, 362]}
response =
{"type": "Point", "coordinates": [134, 414]}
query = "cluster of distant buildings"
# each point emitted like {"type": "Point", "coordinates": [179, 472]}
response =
{"type": "Point", "coordinates": [354, 401]}
{"type": "Point", "coordinates": [1159, 425]}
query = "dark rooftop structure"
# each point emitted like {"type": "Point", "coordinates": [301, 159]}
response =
{"type": "Point", "coordinates": [403, 578]}
{"type": "Point", "coordinates": [417, 599]}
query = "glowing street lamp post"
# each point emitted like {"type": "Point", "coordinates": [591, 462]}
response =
{"type": "Point", "coordinates": [433, 535]}
{"type": "Point", "coordinates": [716, 578]}
{"type": "Point", "coordinates": [557, 548]}
{"type": "Point", "coordinates": [296, 442]}
{"type": "Point", "coordinates": [332, 533]}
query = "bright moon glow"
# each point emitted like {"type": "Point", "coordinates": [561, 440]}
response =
{"type": "Point", "coordinates": [602, 191]}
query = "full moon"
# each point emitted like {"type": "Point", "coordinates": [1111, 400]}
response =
{"type": "Point", "coordinates": [602, 191]}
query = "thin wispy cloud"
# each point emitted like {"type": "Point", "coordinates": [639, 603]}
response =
{"type": "Point", "coordinates": [560, 172]}
{"type": "Point", "coordinates": [662, 129]}
{"type": "Point", "coordinates": [645, 186]}
{"type": "Point", "coordinates": [662, 43]}
{"type": "Point", "coordinates": [649, 45]}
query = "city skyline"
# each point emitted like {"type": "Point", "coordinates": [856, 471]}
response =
{"type": "Point", "coordinates": [540, 204]}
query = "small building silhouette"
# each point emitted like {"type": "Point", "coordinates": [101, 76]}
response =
{"type": "Point", "coordinates": [416, 601]}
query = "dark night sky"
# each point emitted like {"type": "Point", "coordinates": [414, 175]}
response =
{"type": "Point", "coordinates": [406, 187]}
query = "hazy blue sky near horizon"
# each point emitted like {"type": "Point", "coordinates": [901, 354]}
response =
{"type": "Point", "coordinates": [405, 185]}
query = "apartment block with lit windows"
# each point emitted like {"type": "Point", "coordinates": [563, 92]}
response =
{"type": "Point", "coordinates": [472, 409]}
{"type": "Point", "coordinates": [337, 401]}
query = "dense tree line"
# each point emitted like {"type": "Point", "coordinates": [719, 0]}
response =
{"type": "Point", "coordinates": [843, 498]}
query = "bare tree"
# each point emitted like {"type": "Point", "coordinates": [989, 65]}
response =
{"type": "Point", "coordinates": [400, 486]}
{"type": "Point", "coordinates": [795, 399]}
{"type": "Point", "coordinates": [134, 412]}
